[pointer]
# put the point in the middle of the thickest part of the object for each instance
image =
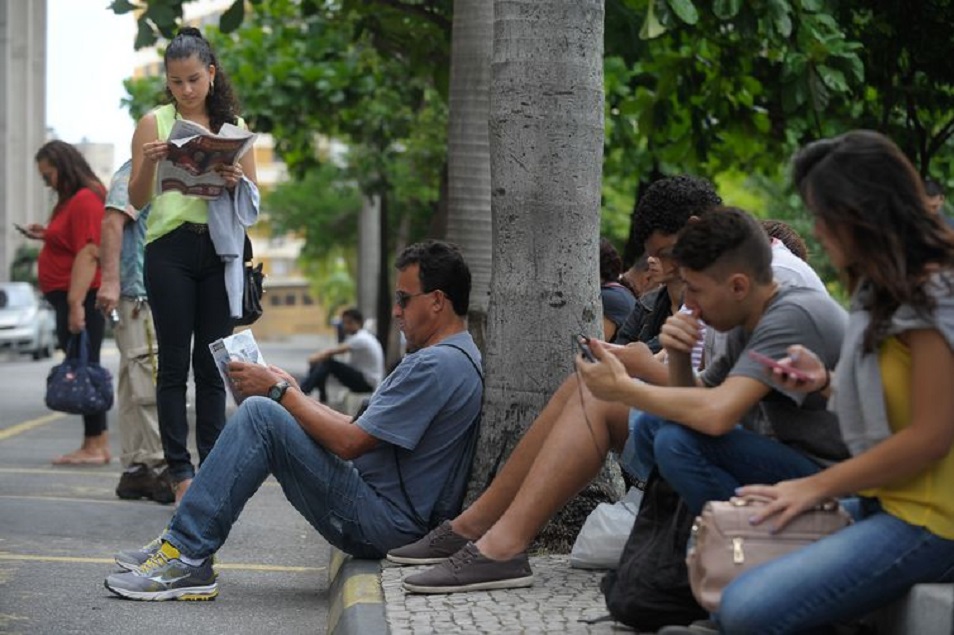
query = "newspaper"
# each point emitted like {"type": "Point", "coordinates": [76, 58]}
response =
{"type": "Point", "coordinates": [193, 154]}
{"type": "Point", "coordinates": [240, 347]}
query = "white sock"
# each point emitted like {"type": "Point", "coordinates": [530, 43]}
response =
{"type": "Point", "coordinates": [192, 562]}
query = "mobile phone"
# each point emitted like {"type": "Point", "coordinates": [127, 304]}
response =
{"type": "Point", "coordinates": [22, 230]}
{"type": "Point", "coordinates": [768, 362]}
{"type": "Point", "coordinates": [583, 343]}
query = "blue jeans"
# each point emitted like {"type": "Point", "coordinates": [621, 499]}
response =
{"type": "Point", "coordinates": [262, 438]}
{"type": "Point", "coordinates": [702, 467]}
{"type": "Point", "coordinates": [843, 576]}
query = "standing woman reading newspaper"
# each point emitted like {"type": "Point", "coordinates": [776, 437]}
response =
{"type": "Point", "coordinates": [185, 274]}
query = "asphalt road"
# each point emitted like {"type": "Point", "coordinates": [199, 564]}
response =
{"type": "Point", "coordinates": [60, 526]}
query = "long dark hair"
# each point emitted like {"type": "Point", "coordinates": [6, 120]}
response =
{"type": "Point", "coordinates": [861, 185]}
{"type": "Point", "coordinates": [221, 103]}
{"type": "Point", "coordinates": [72, 171]}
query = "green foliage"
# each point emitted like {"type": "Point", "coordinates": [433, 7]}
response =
{"type": "Point", "coordinates": [23, 267]}
{"type": "Point", "coordinates": [142, 95]}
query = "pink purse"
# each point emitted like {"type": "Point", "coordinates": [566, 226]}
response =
{"type": "Point", "coordinates": [724, 544]}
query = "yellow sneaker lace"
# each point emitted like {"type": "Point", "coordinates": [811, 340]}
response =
{"type": "Point", "coordinates": [159, 559]}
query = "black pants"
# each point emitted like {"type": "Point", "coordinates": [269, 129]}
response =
{"type": "Point", "coordinates": [93, 425]}
{"type": "Point", "coordinates": [186, 287]}
{"type": "Point", "coordinates": [350, 378]}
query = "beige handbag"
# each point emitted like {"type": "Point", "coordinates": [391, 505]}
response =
{"type": "Point", "coordinates": [724, 544]}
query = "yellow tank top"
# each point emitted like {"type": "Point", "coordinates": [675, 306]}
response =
{"type": "Point", "coordinates": [171, 209]}
{"type": "Point", "coordinates": [925, 500]}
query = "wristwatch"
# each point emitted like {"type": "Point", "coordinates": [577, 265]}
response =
{"type": "Point", "coordinates": [277, 391]}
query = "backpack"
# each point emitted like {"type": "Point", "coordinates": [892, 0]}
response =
{"type": "Point", "coordinates": [650, 587]}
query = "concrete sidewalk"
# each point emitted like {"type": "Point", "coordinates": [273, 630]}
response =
{"type": "Point", "coordinates": [367, 598]}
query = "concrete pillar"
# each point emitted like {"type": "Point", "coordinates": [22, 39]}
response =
{"type": "Point", "coordinates": [369, 255]}
{"type": "Point", "coordinates": [23, 198]}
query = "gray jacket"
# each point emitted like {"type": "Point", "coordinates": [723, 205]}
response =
{"type": "Point", "coordinates": [858, 396]}
{"type": "Point", "coordinates": [229, 216]}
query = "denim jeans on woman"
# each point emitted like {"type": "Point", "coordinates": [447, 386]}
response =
{"type": "Point", "coordinates": [93, 425]}
{"type": "Point", "coordinates": [702, 467]}
{"type": "Point", "coordinates": [186, 287]}
{"type": "Point", "coordinates": [262, 438]}
{"type": "Point", "coordinates": [844, 576]}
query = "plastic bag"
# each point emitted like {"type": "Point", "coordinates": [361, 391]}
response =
{"type": "Point", "coordinates": [604, 533]}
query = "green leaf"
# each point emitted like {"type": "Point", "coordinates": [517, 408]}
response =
{"type": "Point", "coordinates": [685, 10]}
{"type": "Point", "coordinates": [145, 36]}
{"type": "Point", "coordinates": [119, 7]}
{"type": "Point", "coordinates": [233, 17]}
{"type": "Point", "coordinates": [726, 9]}
{"type": "Point", "coordinates": [652, 28]}
{"type": "Point", "coordinates": [812, 5]}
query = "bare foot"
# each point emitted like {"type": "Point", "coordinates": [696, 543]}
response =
{"type": "Point", "coordinates": [84, 456]}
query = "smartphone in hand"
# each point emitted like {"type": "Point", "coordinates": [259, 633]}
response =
{"type": "Point", "coordinates": [771, 364]}
{"type": "Point", "coordinates": [583, 343]}
{"type": "Point", "coordinates": [22, 230]}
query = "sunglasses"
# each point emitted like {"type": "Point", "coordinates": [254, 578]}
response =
{"type": "Point", "coordinates": [402, 298]}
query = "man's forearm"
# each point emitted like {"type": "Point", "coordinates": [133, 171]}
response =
{"type": "Point", "coordinates": [112, 240]}
{"type": "Point", "coordinates": [680, 369]}
{"type": "Point", "coordinates": [331, 429]}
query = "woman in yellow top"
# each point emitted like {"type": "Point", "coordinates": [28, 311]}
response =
{"type": "Point", "coordinates": [891, 391]}
{"type": "Point", "coordinates": [184, 276]}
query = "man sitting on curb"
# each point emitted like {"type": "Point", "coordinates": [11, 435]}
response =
{"type": "Point", "coordinates": [725, 260]}
{"type": "Point", "coordinates": [365, 486]}
{"type": "Point", "coordinates": [364, 369]}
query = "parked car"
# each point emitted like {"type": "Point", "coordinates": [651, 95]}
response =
{"type": "Point", "coordinates": [27, 321]}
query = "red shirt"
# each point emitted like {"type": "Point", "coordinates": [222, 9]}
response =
{"type": "Point", "coordinates": [77, 223]}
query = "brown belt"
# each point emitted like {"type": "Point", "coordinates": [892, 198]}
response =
{"type": "Point", "coordinates": [196, 228]}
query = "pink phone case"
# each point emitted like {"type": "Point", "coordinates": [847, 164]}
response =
{"type": "Point", "coordinates": [768, 362]}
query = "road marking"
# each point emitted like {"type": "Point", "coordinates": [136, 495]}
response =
{"type": "Point", "coordinates": [235, 566]}
{"type": "Point", "coordinates": [19, 428]}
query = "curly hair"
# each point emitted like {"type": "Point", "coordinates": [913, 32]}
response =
{"type": "Point", "coordinates": [611, 265]}
{"type": "Point", "coordinates": [668, 203]}
{"type": "Point", "coordinates": [441, 267]}
{"type": "Point", "coordinates": [72, 171]}
{"type": "Point", "coordinates": [221, 102]}
{"type": "Point", "coordinates": [787, 235]}
{"type": "Point", "coordinates": [867, 193]}
{"type": "Point", "coordinates": [725, 237]}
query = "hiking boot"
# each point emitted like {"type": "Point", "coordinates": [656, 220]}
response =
{"type": "Point", "coordinates": [469, 570]}
{"type": "Point", "coordinates": [137, 482]}
{"type": "Point", "coordinates": [163, 492]}
{"type": "Point", "coordinates": [165, 577]}
{"type": "Point", "coordinates": [436, 547]}
{"type": "Point", "coordinates": [135, 558]}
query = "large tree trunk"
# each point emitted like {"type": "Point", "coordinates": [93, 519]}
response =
{"type": "Point", "coordinates": [468, 151]}
{"type": "Point", "coordinates": [546, 144]}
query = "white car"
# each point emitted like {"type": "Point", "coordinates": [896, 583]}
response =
{"type": "Point", "coordinates": [27, 322]}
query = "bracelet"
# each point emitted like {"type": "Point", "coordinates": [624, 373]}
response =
{"type": "Point", "coordinates": [827, 381]}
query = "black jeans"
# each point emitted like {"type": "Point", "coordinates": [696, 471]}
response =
{"type": "Point", "coordinates": [186, 287]}
{"type": "Point", "coordinates": [350, 378]}
{"type": "Point", "coordinates": [93, 425]}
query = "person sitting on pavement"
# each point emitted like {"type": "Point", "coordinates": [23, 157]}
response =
{"type": "Point", "coordinates": [367, 485]}
{"type": "Point", "coordinates": [891, 390]}
{"type": "Point", "coordinates": [730, 285]}
{"type": "Point", "coordinates": [122, 290]}
{"type": "Point", "coordinates": [365, 367]}
{"type": "Point", "coordinates": [616, 299]}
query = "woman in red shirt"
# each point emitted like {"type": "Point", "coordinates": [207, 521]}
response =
{"type": "Point", "coordinates": [72, 236]}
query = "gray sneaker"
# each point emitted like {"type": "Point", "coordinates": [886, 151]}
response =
{"type": "Point", "coordinates": [436, 547]}
{"type": "Point", "coordinates": [469, 570]}
{"type": "Point", "coordinates": [134, 558]}
{"type": "Point", "coordinates": [165, 577]}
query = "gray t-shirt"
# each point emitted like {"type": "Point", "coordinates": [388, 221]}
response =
{"type": "Point", "coordinates": [425, 407]}
{"type": "Point", "coordinates": [796, 315]}
{"type": "Point", "coordinates": [366, 356]}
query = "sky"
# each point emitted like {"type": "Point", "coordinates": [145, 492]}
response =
{"type": "Point", "coordinates": [89, 54]}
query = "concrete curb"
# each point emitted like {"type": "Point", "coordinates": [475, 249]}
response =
{"type": "Point", "coordinates": [356, 601]}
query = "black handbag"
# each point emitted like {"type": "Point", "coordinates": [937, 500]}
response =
{"type": "Point", "coordinates": [253, 289]}
{"type": "Point", "coordinates": [78, 386]}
